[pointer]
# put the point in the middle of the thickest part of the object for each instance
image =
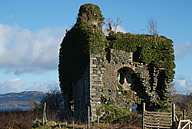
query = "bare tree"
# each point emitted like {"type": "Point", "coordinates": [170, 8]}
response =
{"type": "Point", "coordinates": [113, 26]}
{"type": "Point", "coordinates": [53, 99]}
{"type": "Point", "coordinates": [116, 24]}
{"type": "Point", "coordinates": [174, 96]}
{"type": "Point", "coordinates": [109, 24]}
{"type": "Point", "coordinates": [186, 105]}
{"type": "Point", "coordinates": [152, 26]}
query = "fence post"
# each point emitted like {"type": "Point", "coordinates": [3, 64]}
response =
{"type": "Point", "coordinates": [173, 116]}
{"type": "Point", "coordinates": [73, 124]}
{"type": "Point", "coordinates": [143, 117]}
{"type": "Point", "coordinates": [44, 114]}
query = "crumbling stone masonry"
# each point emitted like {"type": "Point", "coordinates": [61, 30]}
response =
{"type": "Point", "coordinates": [121, 69]}
{"type": "Point", "coordinates": [99, 84]}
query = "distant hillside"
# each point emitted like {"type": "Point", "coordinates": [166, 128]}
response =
{"type": "Point", "coordinates": [21, 99]}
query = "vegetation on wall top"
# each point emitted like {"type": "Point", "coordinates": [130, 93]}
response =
{"type": "Point", "coordinates": [149, 49]}
{"type": "Point", "coordinates": [86, 37]}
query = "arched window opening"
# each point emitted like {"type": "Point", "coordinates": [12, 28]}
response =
{"type": "Point", "coordinates": [125, 78]}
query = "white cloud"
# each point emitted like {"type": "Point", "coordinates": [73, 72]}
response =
{"type": "Point", "coordinates": [119, 29]}
{"type": "Point", "coordinates": [115, 29]}
{"type": "Point", "coordinates": [183, 85]}
{"type": "Point", "coordinates": [22, 50]}
{"type": "Point", "coordinates": [42, 86]}
{"type": "Point", "coordinates": [182, 49]}
{"type": "Point", "coordinates": [19, 85]}
{"type": "Point", "coordinates": [12, 85]}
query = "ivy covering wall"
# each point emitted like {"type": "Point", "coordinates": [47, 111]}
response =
{"type": "Point", "coordinates": [149, 49]}
{"type": "Point", "coordinates": [86, 37]}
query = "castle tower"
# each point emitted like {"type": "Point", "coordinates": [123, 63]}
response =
{"type": "Point", "coordinates": [121, 69]}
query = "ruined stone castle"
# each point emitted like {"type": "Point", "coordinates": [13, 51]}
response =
{"type": "Point", "coordinates": [94, 70]}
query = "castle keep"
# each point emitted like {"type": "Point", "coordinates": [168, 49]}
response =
{"type": "Point", "coordinates": [120, 69]}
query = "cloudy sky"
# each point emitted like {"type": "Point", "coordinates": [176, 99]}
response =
{"type": "Point", "coordinates": [31, 33]}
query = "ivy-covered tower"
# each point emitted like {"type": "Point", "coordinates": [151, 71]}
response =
{"type": "Point", "coordinates": [121, 68]}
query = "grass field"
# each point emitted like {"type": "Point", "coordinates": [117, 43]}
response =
{"type": "Point", "coordinates": [29, 119]}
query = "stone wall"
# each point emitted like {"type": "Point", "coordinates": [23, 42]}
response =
{"type": "Point", "coordinates": [104, 80]}
{"type": "Point", "coordinates": [101, 85]}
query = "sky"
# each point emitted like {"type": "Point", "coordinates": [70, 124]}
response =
{"type": "Point", "coordinates": [31, 32]}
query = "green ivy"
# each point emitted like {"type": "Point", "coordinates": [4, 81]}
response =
{"type": "Point", "coordinates": [85, 37]}
{"type": "Point", "coordinates": [148, 49]}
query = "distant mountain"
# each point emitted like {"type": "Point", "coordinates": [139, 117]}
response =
{"type": "Point", "coordinates": [23, 99]}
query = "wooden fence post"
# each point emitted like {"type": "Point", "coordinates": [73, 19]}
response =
{"type": "Point", "coordinates": [158, 119]}
{"type": "Point", "coordinates": [173, 116]}
{"type": "Point", "coordinates": [143, 117]}
{"type": "Point", "coordinates": [44, 114]}
{"type": "Point", "coordinates": [73, 124]}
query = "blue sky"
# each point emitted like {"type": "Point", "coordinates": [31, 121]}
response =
{"type": "Point", "coordinates": [31, 32]}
